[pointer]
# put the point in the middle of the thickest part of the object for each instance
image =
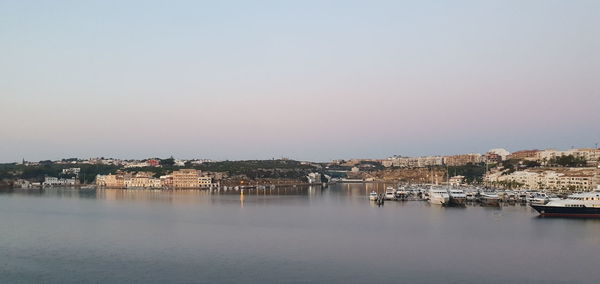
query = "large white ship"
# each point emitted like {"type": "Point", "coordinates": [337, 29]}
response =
{"type": "Point", "coordinates": [575, 205]}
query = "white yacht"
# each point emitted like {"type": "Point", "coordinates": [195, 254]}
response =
{"type": "Point", "coordinates": [373, 196]}
{"type": "Point", "coordinates": [471, 196]}
{"type": "Point", "coordinates": [390, 193]}
{"type": "Point", "coordinates": [539, 198]}
{"type": "Point", "coordinates": [489, 199]}
{"type": "Point", "coordinates": [511, 196]}
{"type": "Point", "coordinates": [438, 196]}
{"type": "Point", "coordinates": [457, 196]}
{"type": "Point", "coordinates": [522, 196]}
{"type": "Point", "coordinates": [402, 193]}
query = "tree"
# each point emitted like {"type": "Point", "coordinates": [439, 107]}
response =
{"type": "Point", "coordinates": [567, 161]}
{"type": "Point", "coordinates": [167, 162]}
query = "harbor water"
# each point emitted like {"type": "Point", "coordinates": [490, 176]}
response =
{"type": "Point", "coordinates": [284, 235]}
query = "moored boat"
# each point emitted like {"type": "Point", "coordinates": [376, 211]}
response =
{"type": "Point", "coordinates": [539, 198]}
{"type": "Point", "coordinates": [457, 197]}
{"type": "Point", "coordinates": [489, 199]}
{"type": "Point", "coordinates": [438, 196]}
{"type": "Point", "coordinates": [390, 193]}
{"type": "Point", "coordinates": [522, 197]}
{"type": "Point", "coordinates": [471, 196]}
{"type": "Point", "coordinates": [402, 193]}
{"type": "Point", "coordinates": [373, 196]}
{"type": "Point", "coordinates": [586, 205]}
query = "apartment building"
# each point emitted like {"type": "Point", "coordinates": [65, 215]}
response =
{"type": "Point", "coordinates": [525, 155]}
{"type": "Point", "coordinates": [186, 178]}
{"type": "Point", "coordinates": [553, 179]}
{"type": "Point", "coordinates": [461, 160]}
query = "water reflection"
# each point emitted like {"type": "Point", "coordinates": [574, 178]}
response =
{"type": "Point", "coordinates": [310, 234]}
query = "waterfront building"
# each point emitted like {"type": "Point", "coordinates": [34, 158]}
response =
{"type": "Point", "coordinates": [166, 181]}
{"type": "Point", "coordinates": [110, 181]}
{"type": "Point", "coordinates": [142, 180]}
{"type": "Point", "coordinates": [54, 181]}
{"type": "Point", "coordinates": [186, 178]}
{"type": "Point", "coordinates": [205, 181]}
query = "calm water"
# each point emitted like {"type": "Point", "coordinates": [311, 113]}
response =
{"type": "Point", "coordinates": [301, 235]}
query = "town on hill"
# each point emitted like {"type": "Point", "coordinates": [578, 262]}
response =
{"type": "Point", "coordinates": [558, 170]}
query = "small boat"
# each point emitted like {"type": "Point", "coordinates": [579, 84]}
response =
{"type": "Point", "coordinates": [373, 196]}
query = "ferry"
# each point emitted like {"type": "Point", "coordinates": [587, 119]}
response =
{"type": "Point", "coordinates": [373, 196]}
{"type": "Point", "coordinates": [585, 205]}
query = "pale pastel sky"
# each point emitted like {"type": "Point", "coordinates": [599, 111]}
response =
{"type": "Point", "coordinates": [312, 80]}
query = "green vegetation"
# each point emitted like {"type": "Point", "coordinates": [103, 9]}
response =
{"type": "Point", "coordinates": [512, 165]}
{"type": "Point", "coordinates": [167, 162]}
{"type": "Point", "coordinates": [260, 168]}
{"type": "Point", "coordinates": [473, 173]}
{"type": "Point", "coordinates": [39, 172]}
{"type": "Point", "coordinates": [567, 161]}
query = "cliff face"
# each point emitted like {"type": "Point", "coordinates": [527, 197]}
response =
{"type": "Point", "coordinates": [416, 175]}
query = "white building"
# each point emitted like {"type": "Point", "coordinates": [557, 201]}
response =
{"type": "Point", "coordinates": [54, 181]}
{"type": "Point", "coordinates": [553, 179]}
{"type": "Point", "coordinates": [137, 165]}
{"type": "Point", "coordinates": [500, 152]}
{"type": "Point", "coordinates": [205, 181]}
{"type": "Point", "coordinates": [592, 156]}
{"type": "Point", "coordinates": [456, 180]}
{"type": "Point", "coordinates": [72, 171]}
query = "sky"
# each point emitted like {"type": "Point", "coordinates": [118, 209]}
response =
{"type": "Point", "coordinates": [308, 80]}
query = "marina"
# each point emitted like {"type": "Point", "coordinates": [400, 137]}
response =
{"type": "Point", "coordinates": [545, 203]}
